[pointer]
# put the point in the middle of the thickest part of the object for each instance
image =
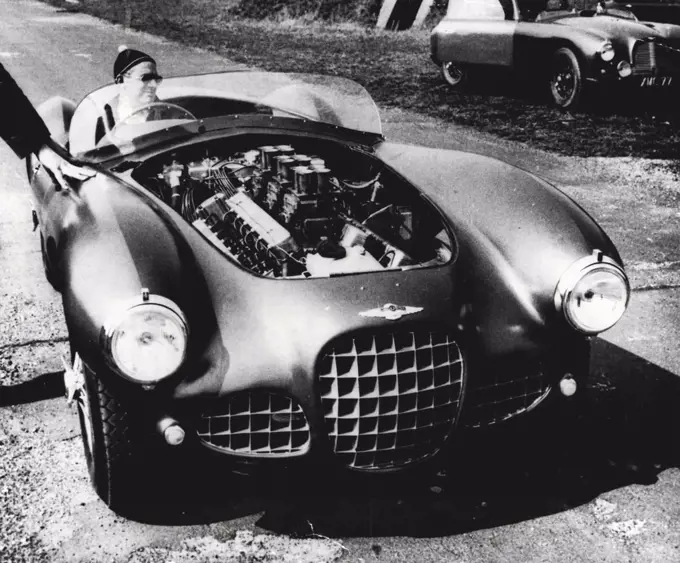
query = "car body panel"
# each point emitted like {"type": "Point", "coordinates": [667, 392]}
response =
{"type": "Point", "coordinates": [478, 42]}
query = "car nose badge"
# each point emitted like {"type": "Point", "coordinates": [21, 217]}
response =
{"type": "Point", "coordinates": [390, 311]}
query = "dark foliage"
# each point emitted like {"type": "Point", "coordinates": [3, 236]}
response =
{"type": "Point", "coordinates": [362, 11]}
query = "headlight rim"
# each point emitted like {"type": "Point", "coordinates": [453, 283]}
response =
{"type": "Point", "coordinates": [575, 273]}
{"type": "Point", "coordinates": [109, 328]}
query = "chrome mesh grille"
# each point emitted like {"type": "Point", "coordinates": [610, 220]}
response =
{"type": "Point", "coordinates": [257, 423]}
{"type": "Point", "coordinates": [512, 388]}
{"type": "Point", "coordinates": [390, 399]}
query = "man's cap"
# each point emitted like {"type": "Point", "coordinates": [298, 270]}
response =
{"type": "Point", "coordinates": [126, 59]}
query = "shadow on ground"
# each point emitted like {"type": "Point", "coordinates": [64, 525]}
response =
{"type": "Point", "coordinates": [624, 433]}
{"type": "Point", "coordinates": [43, 387]}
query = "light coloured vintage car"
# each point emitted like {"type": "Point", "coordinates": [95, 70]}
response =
{"type": "Point", "coordinates": [258, 273]}
{"type": "Point", "coordinates": [558, 47]}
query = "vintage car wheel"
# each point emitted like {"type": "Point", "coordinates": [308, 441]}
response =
{"type": "Point", "coordinates": [111, 440]}
{"type": "Point", "coordinates": [453, 74]}
{"type": "Point", "coordinates": [566, 82]}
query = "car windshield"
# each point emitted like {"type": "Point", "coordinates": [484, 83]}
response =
{"type": "Point", "coordinates": [182, 102]}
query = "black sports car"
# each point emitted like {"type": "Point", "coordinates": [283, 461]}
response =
{"type": "Point", "coordinates": [552, 43]}
{"type": "Point", "coordinates": [260, 273]}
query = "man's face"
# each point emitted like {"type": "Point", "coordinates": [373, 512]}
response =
{"type": "Point", "coordinates": [140, 83]}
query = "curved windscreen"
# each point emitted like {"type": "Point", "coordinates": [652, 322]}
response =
{"type": "Point", "coordinates": [183, 101]}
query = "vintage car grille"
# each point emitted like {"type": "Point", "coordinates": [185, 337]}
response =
{"type": "Point", "coordinates": [509, 388]}
{"type": "Point", "coordinates": [257, 423]}
{"type": "Point", "coordinates": [390, 399]}
{"type": "Point", "coordinates": [649, 57]}
{"type": "Point", "coordinates": [644, 57]}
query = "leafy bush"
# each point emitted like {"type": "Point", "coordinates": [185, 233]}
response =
{"type": "Point", "coordinates": [360, 11]}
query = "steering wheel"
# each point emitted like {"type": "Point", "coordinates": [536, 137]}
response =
{"type": "Point", "coordinates": [156, 111]}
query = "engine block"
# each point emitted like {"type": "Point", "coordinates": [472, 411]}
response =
{"type": "Point", "coordinates": [248, 232]}
{"type": "Point", "coordinates": [280, 213]}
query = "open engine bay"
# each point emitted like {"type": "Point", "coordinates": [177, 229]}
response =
{"type": "Point", "coordinates": [300, 210]}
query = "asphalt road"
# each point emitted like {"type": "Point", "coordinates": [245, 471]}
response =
{"type": "Point", "coordinates": [610, 493]}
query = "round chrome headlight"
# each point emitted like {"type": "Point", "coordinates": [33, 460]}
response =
{"type": "Point", "coordinates": [624, 69]}
{"type": "Point", "coordinates": [147, 342]}
{"type": "Point", "coordinates": [593, 294]}
{"type": "Point", "coordinates": [606, 51]}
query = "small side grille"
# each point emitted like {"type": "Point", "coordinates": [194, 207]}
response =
{"type": "Point", "coordinates": [390, 399]}
{"type": "Point", "coordinates": [257, 423]}
{"type": "Point", "coordinates": [510, 390]}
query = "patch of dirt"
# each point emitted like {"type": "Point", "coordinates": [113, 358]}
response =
{"type": "Point", "coordinates": [41, 475]}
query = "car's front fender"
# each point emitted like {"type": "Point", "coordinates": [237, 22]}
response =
{"type": "Point", "coordinates": [112, 244]}
{"type": "Point", "coordinates": [517, 235]}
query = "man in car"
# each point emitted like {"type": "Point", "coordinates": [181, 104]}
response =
{"type": "Point", "coordinates": [26, 133]}
{"type": "Point", "coordinates": [135, 73]}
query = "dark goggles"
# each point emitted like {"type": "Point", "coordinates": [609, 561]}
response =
{"type": "Point", "coordinates": [148, 77]}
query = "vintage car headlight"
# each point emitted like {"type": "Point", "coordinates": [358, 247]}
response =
{"type": "Point", "coordinates": [147, 341]}
{"type": "Point", "coordinates": [593, 293]}
{"type": "Point", "coordinates": [624, 69]}
{"type": "Point", "coordinates": [606, 51]}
